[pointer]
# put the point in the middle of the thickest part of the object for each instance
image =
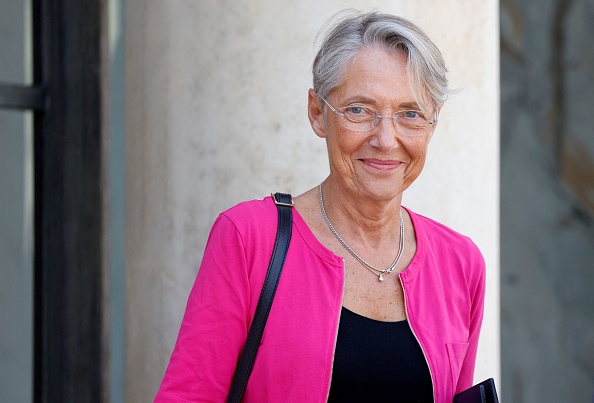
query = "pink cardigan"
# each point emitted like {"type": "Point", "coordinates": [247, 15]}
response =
{"type": "Point", "coordinates": [443, 287]}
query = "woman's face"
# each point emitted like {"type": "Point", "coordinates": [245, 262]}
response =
{"type": "Point", "coordinates": [380, 163]}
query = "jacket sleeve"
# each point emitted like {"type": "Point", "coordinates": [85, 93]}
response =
{"type": "Point", "coordinates": [214, 327]}
{"type": "Point", "coordinates": [477, 293]}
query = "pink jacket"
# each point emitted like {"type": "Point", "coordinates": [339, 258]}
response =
{"type": "Point", "coordinates": [443, 287]}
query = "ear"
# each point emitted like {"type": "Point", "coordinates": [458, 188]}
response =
{"type": "Point", "coordinates": [435, 124]}
{"type": "Point", "coordinates": [315, 113]}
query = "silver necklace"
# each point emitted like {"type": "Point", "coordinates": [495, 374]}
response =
{"type": "Point", "coordinates": [378, 272]}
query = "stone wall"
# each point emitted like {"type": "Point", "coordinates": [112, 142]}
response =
{"type": "Point", "coordinates": [215, 112]}
{"type": "Point", "coordinates": [547, 200]}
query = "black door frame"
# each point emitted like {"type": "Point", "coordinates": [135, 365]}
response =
{"type": "Point", "coordinates": [66, 102]}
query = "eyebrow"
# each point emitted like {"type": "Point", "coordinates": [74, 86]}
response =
{"type": "Point", "coordinates": [411, 105]}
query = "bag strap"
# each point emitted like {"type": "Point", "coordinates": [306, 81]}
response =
{"type": "Point", "coordinates": [284, 204]}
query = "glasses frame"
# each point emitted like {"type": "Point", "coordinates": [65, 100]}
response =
{"type": "Point", "coordinates": [378, 117]}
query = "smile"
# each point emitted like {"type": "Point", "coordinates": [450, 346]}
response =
{"type": "Point", "coordinates": [385, 165]}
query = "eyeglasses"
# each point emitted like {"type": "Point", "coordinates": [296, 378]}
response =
{"type": "Point", "coordinates": [363, 119]}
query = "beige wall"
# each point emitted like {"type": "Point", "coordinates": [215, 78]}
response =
{"type": "Point", "coordinates": [216, 113]}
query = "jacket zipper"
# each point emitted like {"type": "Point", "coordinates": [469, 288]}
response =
{"type": "Point", "coordinates": [415, 334]}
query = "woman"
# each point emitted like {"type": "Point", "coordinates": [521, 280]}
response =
{"type": "Point", "coordinates": [375, 303]}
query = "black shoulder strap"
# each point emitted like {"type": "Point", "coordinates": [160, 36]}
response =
{"type": "Point", "coordinates": [284, 204]}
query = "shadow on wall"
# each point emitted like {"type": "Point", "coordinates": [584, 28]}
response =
{"type": "Point", "coordinates": [547, 200]}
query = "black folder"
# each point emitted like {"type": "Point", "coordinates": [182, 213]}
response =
{"type": "Point", "coordinates": [483, 392]}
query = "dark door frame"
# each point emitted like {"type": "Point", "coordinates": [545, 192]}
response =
{"type": "Point", "coordinates": [66, 102]}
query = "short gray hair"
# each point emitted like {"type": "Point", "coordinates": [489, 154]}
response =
{"type": "Point", "coordinates": [426, 68]}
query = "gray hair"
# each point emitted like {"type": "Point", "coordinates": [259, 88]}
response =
{"type": "Point", "coordinates": [426, 68]}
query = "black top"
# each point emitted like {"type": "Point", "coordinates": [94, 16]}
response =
{"type": "Point", "coordinates": [378, 361]}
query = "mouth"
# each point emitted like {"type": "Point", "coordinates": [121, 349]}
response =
{"type": "Point", "coordinates": [384, 165]}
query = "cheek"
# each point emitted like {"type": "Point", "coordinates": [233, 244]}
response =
{"type": "Point", "coordinates": [339, 155]}
{"type": "Point", "coordinates": [418, 154]}
{"type": "Point", "coordinates": [343, 145]}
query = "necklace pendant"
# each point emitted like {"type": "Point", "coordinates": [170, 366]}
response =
{"type": "Point", "coordinates": [374, 270]}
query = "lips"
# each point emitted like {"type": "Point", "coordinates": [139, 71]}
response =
{"type": "Point", "coordinates": [384, 165]}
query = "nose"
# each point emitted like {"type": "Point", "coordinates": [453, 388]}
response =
{"type": "Point", "coordinates": [384, 135]}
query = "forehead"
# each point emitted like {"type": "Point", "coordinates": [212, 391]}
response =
{"type": "Point", "coordinates": [377, 76]}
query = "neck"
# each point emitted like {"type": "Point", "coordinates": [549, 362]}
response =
{"type": "Point", "coordinates": [361, 216]}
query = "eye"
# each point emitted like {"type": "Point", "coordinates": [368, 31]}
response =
{"type": "Point", "coordinates": [357, 114]}
{"type": "Point", "coordinates": [355, 110]}
{"type": "Point", "coordinates": [413, 115]}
